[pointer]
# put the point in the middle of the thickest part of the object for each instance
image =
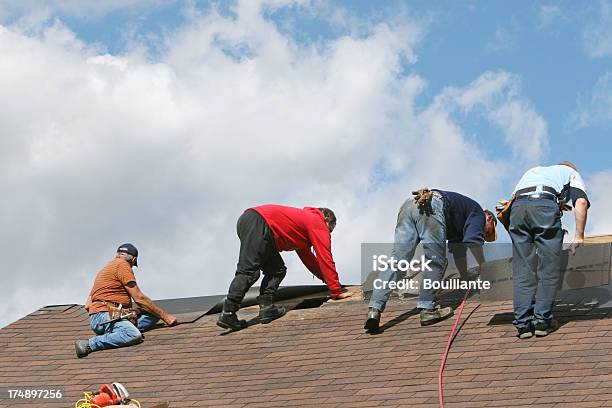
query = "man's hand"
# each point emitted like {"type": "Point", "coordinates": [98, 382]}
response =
{"type": "Point", "coordinates": [342, 295]}
{"type": "Point", "coordinates": [472, 274]}
{"type": "Point", "coordinates": [170, 320]}
{"type": "Point", "coordinates": [578, 241]}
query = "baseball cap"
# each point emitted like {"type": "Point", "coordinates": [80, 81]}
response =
{"type": "Point", "coordinates": [129, 249]}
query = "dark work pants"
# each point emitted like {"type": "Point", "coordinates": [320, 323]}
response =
{"type": "Point", "coordinates": [537, 239]}
{"type": "Point", "coordinates": [257, 252]}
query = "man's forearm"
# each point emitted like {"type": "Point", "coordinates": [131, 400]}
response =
{"type": "Point", "coordinates": [580, 214]}
{"type": "Point", "coordinates": [151, 307]}
{"type": "Point", "coordinates": [478, 253]}
{"type": "Point", "coordinates": [310, 262]}
{"type": "Point", "coordinates": [461, 264]}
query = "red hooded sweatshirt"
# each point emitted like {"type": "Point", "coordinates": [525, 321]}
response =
{"type": "Point", "coordinates": [300, 230]}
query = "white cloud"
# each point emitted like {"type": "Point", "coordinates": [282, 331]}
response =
{"type": "Point", "coordinates": [497, 97]}
{"type": "Point", "coordinates": [504, 39]}
{"type": "Point", "coordinates": [101, 149]}
{"type": "Point", "coordinates": [550, 15]}
{"type": "Point", "coordinates": [596, 107]}
{"type": "Point", "coordinates": [599, 220]}
{"type": "Point", "coordinates": [597, 37]}
{"type": "Point", "coordinates": [76, 8]}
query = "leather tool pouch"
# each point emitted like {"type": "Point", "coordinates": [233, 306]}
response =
{"type": "Point", "coordinates": [422, 198]}
{"type": "Point", "coordinates": [503, 211]}
{"type": "Point", "coordinates": [116, 312]}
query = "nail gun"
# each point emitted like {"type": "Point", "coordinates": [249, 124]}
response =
{"type": "Point", "coordinates": [109, 395]}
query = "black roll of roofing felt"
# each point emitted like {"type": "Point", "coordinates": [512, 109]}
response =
{"type": "Point", "coordinates": [214, 303]}
{"type": "Point", "coordinates": [283, 293]}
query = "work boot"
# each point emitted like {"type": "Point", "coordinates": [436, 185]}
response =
{"type": "Point", "coordinates": [373, 321]}
{"type": "Point", "coordinates": [432, 316]}
{"type": "Point", "coordinates": [228, 319]}
{"type": "Point", "coordinates": [268, 311]}
{"type": "Point", "coordinates": [82, 348]}
{"type": "Point", "coordinates": [545, 328]}
{"type": "Point", "coordinates": [525, 332]}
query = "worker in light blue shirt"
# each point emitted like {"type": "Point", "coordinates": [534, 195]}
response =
{"type": "Point", "coordinates": [558, 177]}
{"type": "Point", "coordinates": [537, 239]}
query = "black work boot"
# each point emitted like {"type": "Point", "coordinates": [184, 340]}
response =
{"type": "Point", "coordinates": [432, 316]}
{"type": "Point", "coordinates": [82, 349]}
{"type": "Point", "coordinates": [525, 332]}
{"type": "Point", "coordinates": [268, 311]}
{"type": "Point", "coordinates": [373, 321]}
{"type": "Point", "coordinates": [542, 329]}
{"type": "Point", "coordinates": [228, 319]}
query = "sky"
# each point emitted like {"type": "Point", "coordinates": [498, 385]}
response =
{"type": "Point", "coordinates": [158, 122]}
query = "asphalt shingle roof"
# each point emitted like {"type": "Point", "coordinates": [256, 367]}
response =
{"type": "Point", "coordinates": [322, 357]}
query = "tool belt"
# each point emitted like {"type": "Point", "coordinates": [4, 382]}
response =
{"type": "Point", "coordinates": [117, 310]}
{"type": "Point", "coordinates": [545, 189]}
{"type": "Point", "coordinates": [422, 198]}
{"type": "Point", "coordinates": [504, 206]}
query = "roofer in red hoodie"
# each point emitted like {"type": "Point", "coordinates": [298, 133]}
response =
{"type": "Point", "coordinates": [265, 231]}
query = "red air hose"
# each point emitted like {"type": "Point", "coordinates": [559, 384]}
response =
{"type": "Point", "coordinates": [451, 337]}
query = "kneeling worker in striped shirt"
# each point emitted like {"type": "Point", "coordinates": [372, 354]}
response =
{"type": "Point", "coordinates": [111, 298]}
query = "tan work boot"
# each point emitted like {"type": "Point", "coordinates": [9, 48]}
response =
{"type": "Point", "coordinates": [433, 316]}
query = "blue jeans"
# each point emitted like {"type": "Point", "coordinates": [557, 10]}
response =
{"type": "Point", "coordinates": [537, 239]}
{"type": "Point", "coordinates": [118, 334]}
{"type": "Point", "coordinates": [413, 228]}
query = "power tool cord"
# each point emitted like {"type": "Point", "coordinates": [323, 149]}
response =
{"type": "Point", "coordinates": [451, 337]}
